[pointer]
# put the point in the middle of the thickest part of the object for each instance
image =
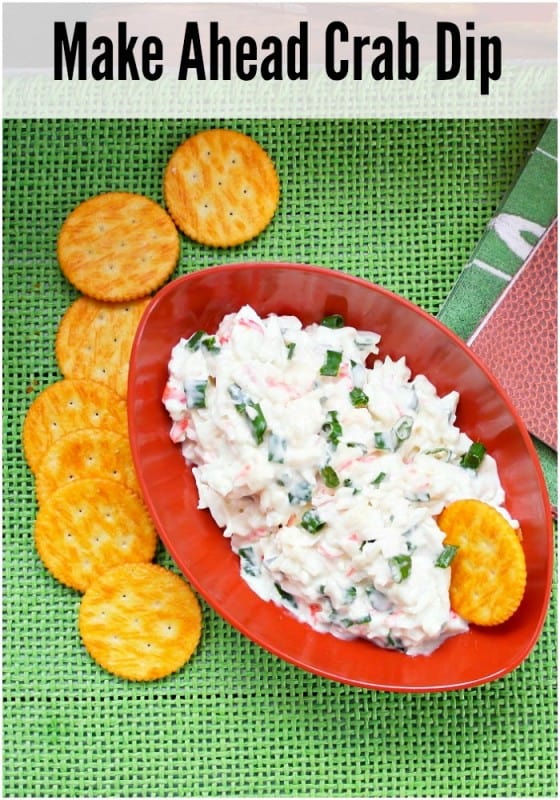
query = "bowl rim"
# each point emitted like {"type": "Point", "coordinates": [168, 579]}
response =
{"type": "Point", "coordinates": [169, 288]}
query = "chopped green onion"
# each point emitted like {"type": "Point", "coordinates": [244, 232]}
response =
{"type": "Point", "coordinates": [361, 445]}
{"type": "Point", "coordinates": [376, 481]}
{"type": "Point", "coordinates": [299, 492]}
{"type": "Point", "coordinates": [446, 556]}
{"type": "Point", "coordinates": [400, 567]}
{"type": "Point", "coordinates": [210, 344]}
{"type": "Point", "coordinates": [394, 643]}
{"type": "Point", "coordinates": [287, 596]}
{"type": "Point", "coordinates": [201, 339]}
{"type": "Point", "coordinates": [276, 448]}
{"type": "Point", "coordinates": [403, 428]}
{"type": "Point", "coordinates": [350, 594]}
{"type": "Point", "coordinates": [196, 393]}
{"type": "Point", "coordinates": [333, 321]}
{"type": "Point", "coordinates": [193, 342]}
{"type": "Point", "coordinates": [384, 440]}
{"type": "Point", "coordinates": [290, 346]}
{"type": "Point", "coordinates": [442, 453]}
{"type": "Point", "coordinates": [390, 440]}
{"type": "Point", "coordinates": [249, 564]}
{"type": "Point", "coordinates": [472, 459]}
{"type": "Point", "coordinates": [250, 410]}
{"type": "Point", "coordinates": [358, 398]}
{"type": "Point", "coordinates": [332, 363]}
{"type": "Point", "coordinates": [361, 621]}
{"type": "Point", "coordinates": [333, 428]}
{"type": "Point", "coordinates": [311, 522]}
{"type": "Point", "coordinates": [330, 477]}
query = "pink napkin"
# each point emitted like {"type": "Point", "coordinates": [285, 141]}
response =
{"type": "Point", "coordinates": [517, 339]}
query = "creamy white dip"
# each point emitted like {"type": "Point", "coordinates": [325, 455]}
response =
{"type": "Point", "coordinates": [326, 474]}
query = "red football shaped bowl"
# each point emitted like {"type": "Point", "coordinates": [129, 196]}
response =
{"type": "Point", "coordinates": [199, 301]}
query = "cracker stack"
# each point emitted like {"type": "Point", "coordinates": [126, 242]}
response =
{"type": "Point", "coordinates": [92, 530]}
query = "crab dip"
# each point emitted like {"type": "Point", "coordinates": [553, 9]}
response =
{"type": "Point", "coordinates": [327, 467]}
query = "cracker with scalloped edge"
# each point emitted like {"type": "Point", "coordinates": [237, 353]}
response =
{"type": "Point", "coordinates": [90, 525]}
{"type": "Point", "coordinates": [488, 572]}
{"type": "Point", "coordinates": [86, 453]}
{"type": "Point", "coordinates": [118, 246]}
{"type": "Point", "coordinates": [69, 405]}
{"type": "Point", "coordinates": [140, 621]}
{"type": "Point", "coordinates": [221, 187]}
{"type": "Point", "coordinates": [94, 340]}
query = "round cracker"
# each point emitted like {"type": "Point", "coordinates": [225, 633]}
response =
{"type": "Point", "coordinates": [94, 340]}
{"type": "Point", "coordinates": [87, 453]}
{"type": "Point", "coordinates": [140, 621]}
{"type": "Point", "coordinates": [221, 188]}
{"type": "Point", "coordinates": [88, 526]}
{"type": "Point", "coordinates": [118, 246]}
{"type": "Point", "coordinates": [69, 405]}
{"type": "Point", "coordinates": [488, 572]}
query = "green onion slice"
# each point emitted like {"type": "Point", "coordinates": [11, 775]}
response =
{"type": "Point", "coordinates": [376, 481]}
{"type": "Point", "coordinates": [201, 339]}
{"type": "Point", "coordinates": [384, 440]}
{"type": "Point", "coordinates": [472, 459]}
{"type": "Point", "coordinates": [331, 364]}
{"type": "Point", "coordinates": [333, 428]}
{"type": "Point", "coordinates": [287, 596]}
{"type": "Point", "coordinates": [330, 477]}
{"type": "Point", "coordinates": [196, 393]}
{"type": "Point", "coordinates": [333, 321]}
{"type": "Point", "coordinates": [403, 428]}
{"type": "Point", "coordinates": [358, 398]}
{"type": "Point", "coordinates": [193, 342]}
{"type": "Point", "coordinates": [311, 522]}
{"type": "Point", "coordinates": [290, 346]}
{"type": "Point", "coordinates": [250, 410]}
{"type": "Point", "coordinates": [446, 556]}
{"type": "Point", "coordinates": [277, 446]}
{"type": "Point", "coordinates": [347, 622]}
{"type": "Point", "coordinates": [400, 567]}
{"type": "Point", "coordinates": [299, 492]}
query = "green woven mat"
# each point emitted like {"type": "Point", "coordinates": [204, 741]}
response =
{"type": "Point", "coordinates": [399, 202]}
